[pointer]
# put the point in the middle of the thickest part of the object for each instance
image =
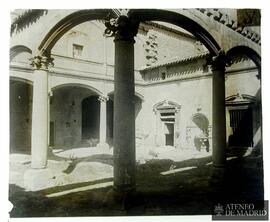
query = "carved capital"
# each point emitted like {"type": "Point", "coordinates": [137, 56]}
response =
{"type": "Point", "coordinates": [103, 99]}
{"type": "Point", "coordinates": [41, 62]}
{"type": "Point", "coordinates": [219, 62]}
{"type": "Point", "coordinates": [122, 28]}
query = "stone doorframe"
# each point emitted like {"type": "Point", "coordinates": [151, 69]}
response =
{"type": "Point", "coordinates": [167, 107]}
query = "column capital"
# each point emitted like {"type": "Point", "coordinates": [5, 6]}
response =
{"type": "Point", "coordinates": [41, 62]}
{"type": "Point", "coordinates": [219, 62]}
{"type": "Point", "coordinates": [122, 28]}
{"type": "Point", "coordinates": [103, 99]}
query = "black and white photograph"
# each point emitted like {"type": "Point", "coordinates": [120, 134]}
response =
{"type": "Point", "coordinates": [136, 112]}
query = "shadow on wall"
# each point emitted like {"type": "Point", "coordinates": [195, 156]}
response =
{"type": "Point", "coordinates": [201, 135]}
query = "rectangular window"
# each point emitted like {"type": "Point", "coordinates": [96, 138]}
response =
{"type": "Point", "coordinates": [77, 51]}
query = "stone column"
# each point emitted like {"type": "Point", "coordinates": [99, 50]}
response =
{"type": "Point", "coordinates": [218, 115]}
{"type": "Point", "coordinates": [37, 177]}
{"type": "Point", "coordinates": [40, 112]}
{"type": "Point", "coordinates": [124, 31]}
{"type": "Point", "coordinates": [103, 122]}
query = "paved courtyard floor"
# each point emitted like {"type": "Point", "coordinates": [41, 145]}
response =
{"type": "Point", "coordinates": [169, 182]}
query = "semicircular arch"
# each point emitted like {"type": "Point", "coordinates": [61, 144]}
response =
{"type": "Point", "coordinates": [179, 19]}
{"type": "Point", "coordinates": [68, 22]}
{"type": "Point", "coordinates": [137, 94]}
{"type": "Point", "coordinates": [17, 49]}
{"type": "Point", "coordinates": [140, 15]}
{"type": "Point", "coordinates": [250, 53]}
{"type": "Point", "coordinates": [93, 89]}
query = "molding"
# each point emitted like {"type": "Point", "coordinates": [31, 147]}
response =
{"type": "Point", "coordinates": [77, 60]}
{"type": "Point", "coordinates": [13, 67]}
{"type": "Point", "coordinates": [146, 26]}
{"type": "Point", "coordinates": [109, 78]}
{"type": "Point", "coordinates": [241, 71]}
{"type": "Point", "coordinates": [176, 61]}
{"type": "Point", "coordinates": [83, 77]}
{"type": "Point", "coordinates": [225, 20]}
{"type": "Point", "coordinates": [163, 82]}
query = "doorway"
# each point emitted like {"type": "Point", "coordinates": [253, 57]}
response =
{"type": "Point", "coordinates": [169, 134]}
{"type": "Point", "coordinates": [90, 118]}
{"type": "Point", "coordinates": [242, 128]}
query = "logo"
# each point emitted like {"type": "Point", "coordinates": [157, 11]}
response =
{"type": "Point", "coordinates": [219, 211]}
{"type": "Point", "coordinates": [253, 210]}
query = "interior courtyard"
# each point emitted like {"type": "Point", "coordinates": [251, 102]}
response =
{"type": "Point", "coordinates": [135, 112]}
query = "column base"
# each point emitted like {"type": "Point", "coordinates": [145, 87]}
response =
{"type": "Point", "coordinates": [38, 179]}
{"type": "Point", "coordinates": [130, 201]}
{"type": "Point", "coordinates": [218, 175]}
{"type": "Point", "coordinates": [103, 146]}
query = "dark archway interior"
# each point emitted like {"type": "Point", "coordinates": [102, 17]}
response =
{"type": "Point", "coordinates": [90, 118]}
{"type": "Point", "coordinates": [110, 122]}
{"type": "Point", "coordinates": [20, 116]}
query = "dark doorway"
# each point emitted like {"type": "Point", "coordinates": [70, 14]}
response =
{"type": "Point", "coordinates": [90, 118]}
{"type": "Point", "coordinates": [241, 124]}
{"type": "Point", "coordinates": [169, 135]}
{"type": "Point", "coordinates": [109, 132]}
{"type": "Point", "coordinates": [51, 133]}
{"type": "Point", "coordinates": [20, 116]}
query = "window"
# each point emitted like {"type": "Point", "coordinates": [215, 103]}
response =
{"type": "Point", "coordinates": [77, 51]}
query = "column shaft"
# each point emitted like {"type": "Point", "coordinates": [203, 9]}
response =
{"type": "Point", "coordinates": [219, 116]}
{"type": "Point", "coordinates": [39, 140]}
{"type": "Point", "coordinates": [124, 116]}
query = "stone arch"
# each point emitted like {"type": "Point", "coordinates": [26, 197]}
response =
{"type": "Point", "coordinates": [140, 15]}
{"type": "Point", "coordinates": [250, 53]}
{"type": "Point", "coordinates": [78, 85]}
{"type": "Point", "coordinates": [70, 118]}
{"type": "Point", "coordinates": [17, 49]}
{"type": "Point", "coordinates": [249, 106]}
{"type": "Point", "coordinates": [139, 95]}
{"type": "Point", "coordinates": [13, 78]}
{"type": "Point", "coordinates": [179, 19]}
{"type": "Point", "coordinates": [68, 23]}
